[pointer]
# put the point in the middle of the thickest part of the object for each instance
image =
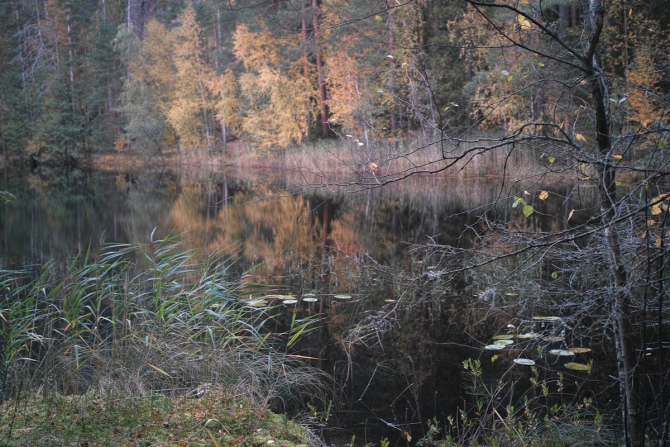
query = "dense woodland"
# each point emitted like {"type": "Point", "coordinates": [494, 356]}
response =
{"type": "Point", "coordinates": [85, 76]}
{"type": "Point", "coordinates": [576, 89]}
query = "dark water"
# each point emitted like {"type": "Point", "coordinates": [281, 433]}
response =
{"type": "Point", "coordinates": [395, 350]}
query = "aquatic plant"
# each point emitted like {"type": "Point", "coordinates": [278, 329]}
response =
{"type": "Point", "coordinates": [143, 319]}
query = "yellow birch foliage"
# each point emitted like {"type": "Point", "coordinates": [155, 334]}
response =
{"type": "Point", "coordinates": [188, 112]}
{"type": "Point", "coordinates": [345, 99]}
{"type": "Point", "coordinates": [227, 104]}
{"type": "Point", "coordinates": [646, 106]}
{"type": "Point", "coordinates": [275, 108]}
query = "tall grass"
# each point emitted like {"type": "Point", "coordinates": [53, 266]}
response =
{"type": "Point", "coordinates": [142, 319]}
{"type": "Point", "coordinates": [344, 158]}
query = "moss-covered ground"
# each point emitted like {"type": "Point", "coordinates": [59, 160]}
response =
{"type": "Point", "coordinates": [88, 420]}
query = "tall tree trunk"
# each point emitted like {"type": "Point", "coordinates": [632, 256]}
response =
{"type": "Point", "coordinates": [627, 359]}
{"type": "Point", "coordinates": [319, 70]}
{"type": "Point", "coordinates": [305, 67]}
{"type": "Point", "coordinates": [391, 26]}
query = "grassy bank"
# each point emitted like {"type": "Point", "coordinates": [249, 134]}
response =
{"type": "Point", "coordinates": [346, 157]}
{"type": "Point", "coordinates": [147, 339]}
{"type": "Point", "coordinates": [93, 419]}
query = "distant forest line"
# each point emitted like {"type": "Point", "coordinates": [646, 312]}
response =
{"type": "Point", "coordinates": [89, 76]}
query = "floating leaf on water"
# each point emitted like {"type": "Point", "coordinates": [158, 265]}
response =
{"type": "Point", "coordinates": [503, 342]}
{"type": "Point", "coordinates": [503, 337]}
{"type": "Point", "coordinates": [579, 350]}
{"type": "Point", "coordinates": [310, 299]}
{"type": "Point", "coordinates": [553, 339]}
{"type": "Point", "coordinates": [527, 362]}
{"type": "Point", "coordinates": [528, 335]}
{"type": "Point", "coordinates": [290, 302]}
{"type": "Point", "coordinates": [272, 297]}
{"type": "Point", "coordinates": [286, 297]}
{"type": "Point", "coordinates": [342, 297]}
{"type": "Point", "coordinates": [494, 347]}
{"type": "Point", "coordinates": [257, 303]}
{"type": "Point", "coordinates": [309, 295]}
{"type": "Point", "coordinates": [561, 352]}
{"type": "Point", "coordinates": [547, 318]}
{"type": "Point", "coordinates": [577, 366]}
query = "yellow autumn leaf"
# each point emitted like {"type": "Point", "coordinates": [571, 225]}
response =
{"type": "Point", "coordinates": [655, 210]}
{"type": "Point", "coordinates": [651, 222]}
{"type": "Point", "coordinates": [570, 215]}
{"type": "Point", "coordinates": [541, 64]}
{"type": "Point", "coordinates": [585, 178]}
{"type": "Point", "coordinates": [617, 156]}
{"type": "Point", "coordinates": [374, 167]}
{"type": "Point", "coordinates": [658, 241]}
{"type": "Point", "coordinates": [544, 195]}
{"type": "Point", "coordinates": [523, 22]}
{"type": "Point", "coordinates": [552, 159]}
{"type": "Point", "coordinates": [580, 137]}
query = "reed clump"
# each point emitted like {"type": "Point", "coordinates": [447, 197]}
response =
{"type": "Point", "coordinates": [138, 322]}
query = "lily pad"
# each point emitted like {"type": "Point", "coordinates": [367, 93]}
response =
{"type": "Point", "coordinates": [527, 362]}
{"type": "Point", "coordinates": [553, 339]}
{"type": "Point", "coordinates": [342, 297]}
{"type": "Point", "coordinates": [528, 335]}
{"type": "Point", "coordinates": [547, 318]}
{"type": "Point", "coordinates": [272, 297]}
{"type": "Point", "coordinates": [579, 350]}
{"type": "Point", "coordinates": [257, 303]}
{"type": "Point", "coordinates": [290, 302]}
{"type": "Point", "coordinates": [286, 297]}
{"type": "Point", "coordinates": [494, 347]}
{"type": "Point", "coordinates": [309, 295]}
{"type": "Point", "coordinates": [503, 337]}
{"type": "Point", "coordinates": [503, 342]}
{"type": "Point", "coordinates": [561, 352]}
{"type": "Point", "coordinates": [310, 299]}
{"type": "Point", "coordinates": [577, 366]}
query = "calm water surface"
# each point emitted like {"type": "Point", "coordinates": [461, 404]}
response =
{"type": "Point", "coordinates": [394, 366]}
